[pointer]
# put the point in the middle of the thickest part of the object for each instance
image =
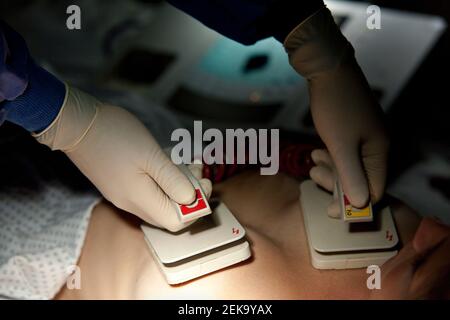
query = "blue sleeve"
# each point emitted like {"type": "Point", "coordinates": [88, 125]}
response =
{"type": "Point", "coordinates": [30, 96]}
{"type": "Point", "coordinates": [248, 21]}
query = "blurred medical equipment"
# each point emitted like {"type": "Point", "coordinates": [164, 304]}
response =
{"type": "Point", "coordinates": [204, 75]}
{"type": "Point", "coordinates": [200, 74]}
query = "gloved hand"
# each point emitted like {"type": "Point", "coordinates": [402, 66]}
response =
{"type": "Point", "coordinates": [121, 158]}
{"type": "Point", "coordinates": [345, 113]}
{"type": "Point", "coordinates": [325, 175]}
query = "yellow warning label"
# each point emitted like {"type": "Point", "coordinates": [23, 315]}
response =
{"type": "Point", "coordinates": [358, 213]}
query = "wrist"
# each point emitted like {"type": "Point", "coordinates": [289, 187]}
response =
{"type": "Point", "coordinates": [75, 118]}
{"type": "Point", "coordinates": [317, 46]}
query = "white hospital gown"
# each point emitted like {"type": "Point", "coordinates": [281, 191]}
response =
{"type": "Point", "coordinates": [41, 235]}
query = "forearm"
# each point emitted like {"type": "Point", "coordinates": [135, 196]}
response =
{"type": "Point", "coordinates": [30, 96]}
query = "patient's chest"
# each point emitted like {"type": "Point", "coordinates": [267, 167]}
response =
{"type": "Point", "coordinates": [116, 261]}
{"type": "Point", "coordinates": [269, 210]}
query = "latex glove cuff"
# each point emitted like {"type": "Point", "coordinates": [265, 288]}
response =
{"type": "Point", "coordinates": [74, 120]}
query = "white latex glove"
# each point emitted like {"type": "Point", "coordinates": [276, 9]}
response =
{"type": "Point", "coordinates": [121, 158]}
{"type": "Point", "coordinates": [206, 184]}
{"type": "Point", "coordinates": [325, 175]}
{"type": "Point", "coordinates": [345, 113]}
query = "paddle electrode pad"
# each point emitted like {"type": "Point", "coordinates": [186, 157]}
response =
{"type": "Point", "coordinates": [215, 241]}
{"type": "Point", "coordinates": [338, 244]}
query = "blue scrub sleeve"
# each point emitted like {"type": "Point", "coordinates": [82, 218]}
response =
{"type": "Point", "coordinates": [30, 96]}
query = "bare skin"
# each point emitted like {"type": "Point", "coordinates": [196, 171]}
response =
{"type": "Point", "coordinates": [116, 264]}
